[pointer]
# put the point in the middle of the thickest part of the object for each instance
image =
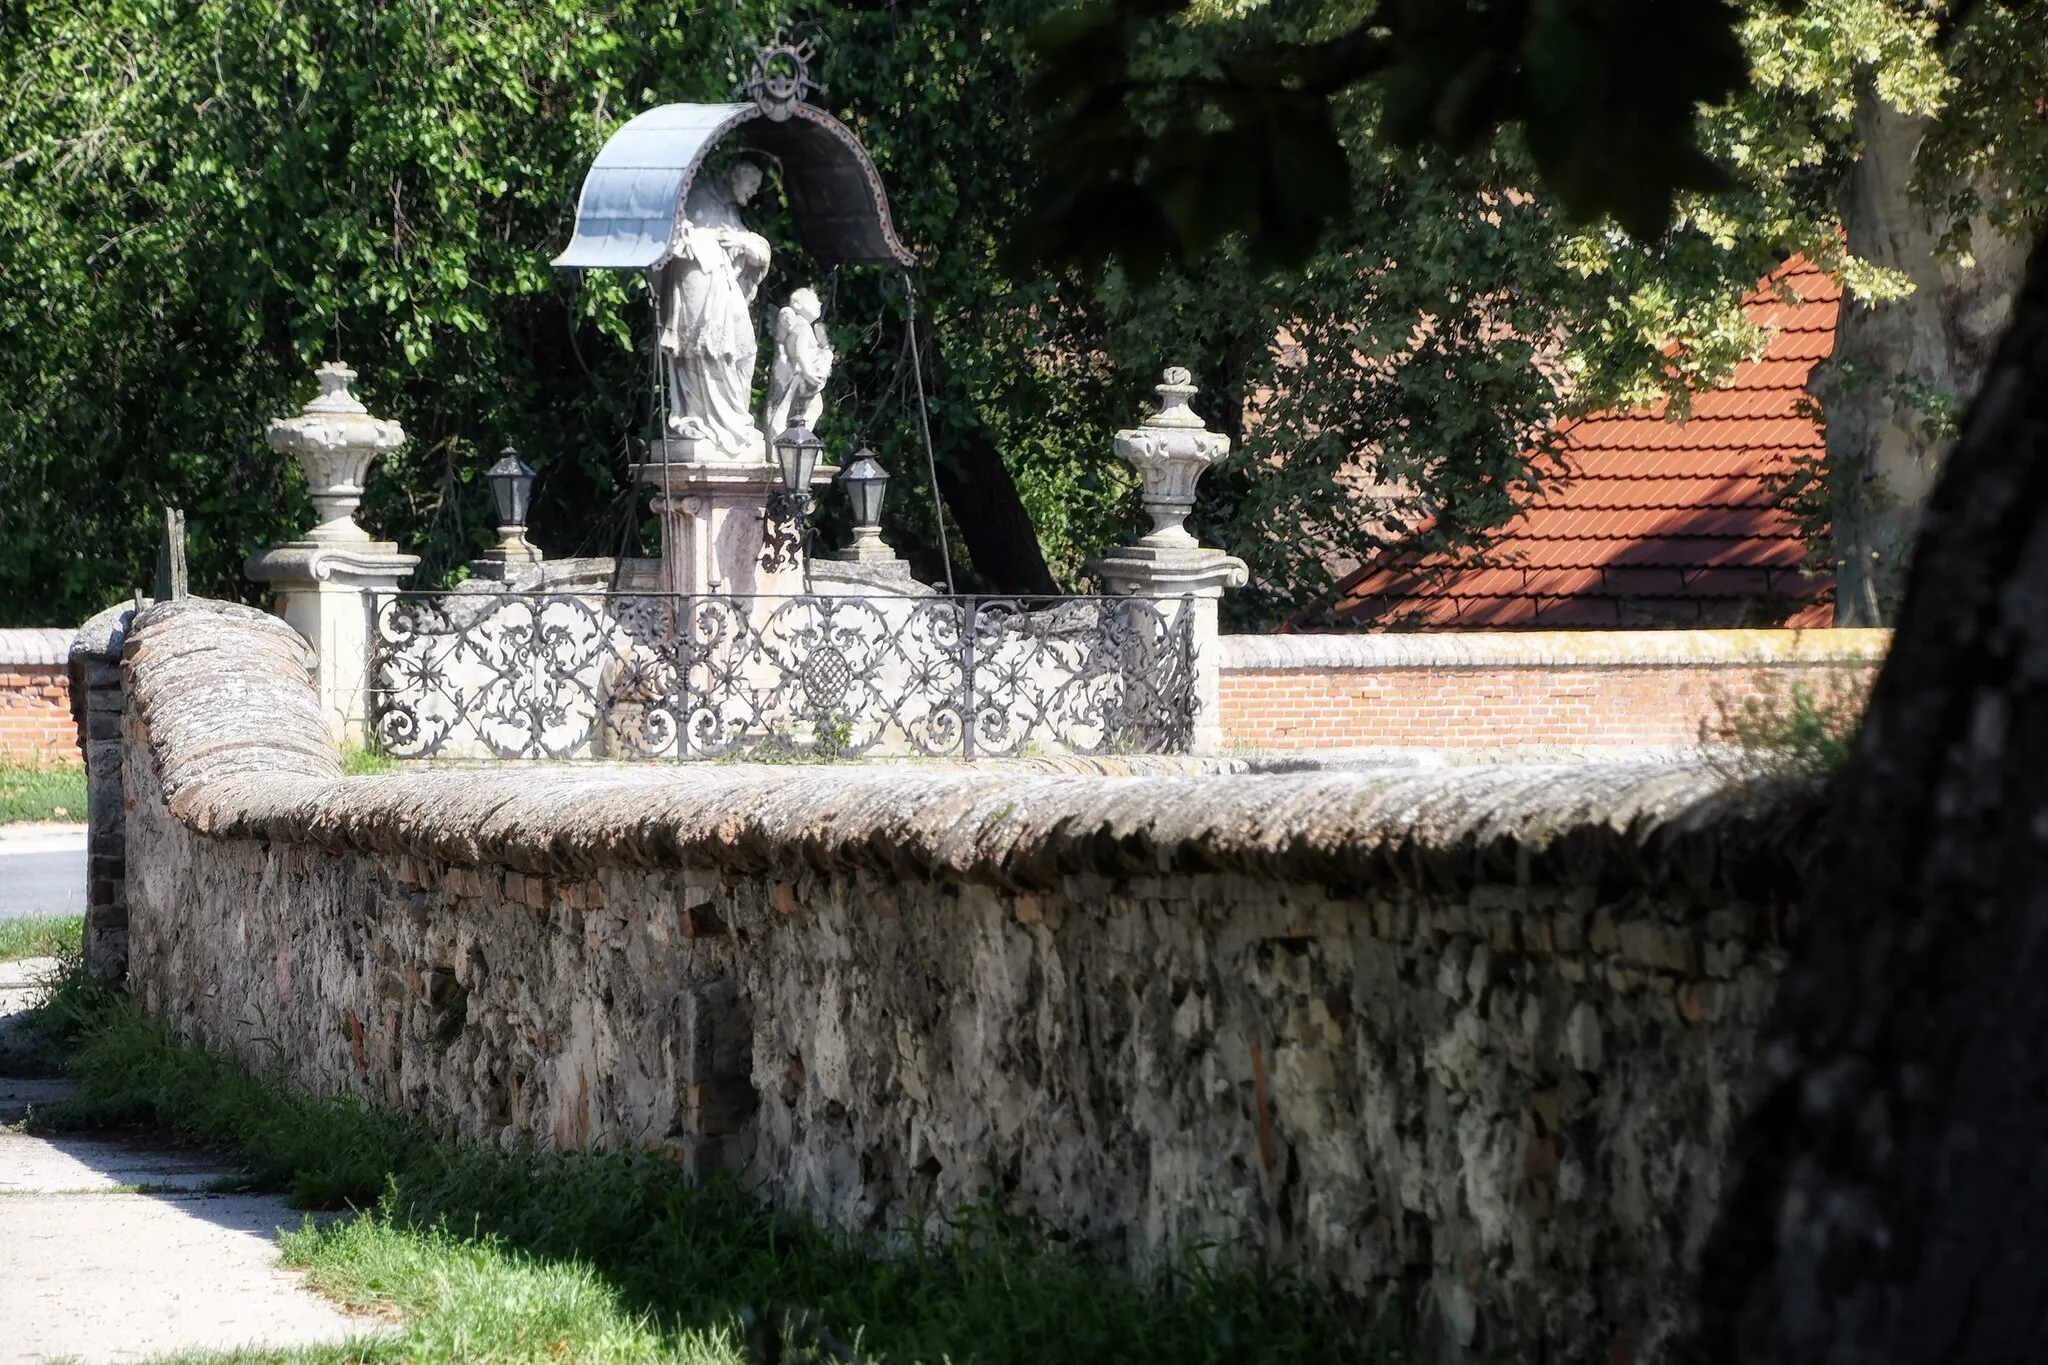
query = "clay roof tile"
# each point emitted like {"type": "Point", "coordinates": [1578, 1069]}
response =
{"type": "Point", "coordinates": [1688, 504]}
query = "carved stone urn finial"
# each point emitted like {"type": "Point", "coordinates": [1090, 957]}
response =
{"type": "Point", "coordinates": [1170, 451]}
{"type": "Point", "coordinates": [335, 439]}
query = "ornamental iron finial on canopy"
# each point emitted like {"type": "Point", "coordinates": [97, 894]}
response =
{"type": "Point", "coordinates": [782, 76]}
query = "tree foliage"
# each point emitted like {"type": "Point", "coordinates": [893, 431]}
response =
{"type": "Point", "coordinates": [1410, 289]}
{"type": "Point", "coordinates": [201, 201]}
{"type": "Point", "coordinates": [198, 202]}
{"type": "Point", "coordinates": [1158, 142]}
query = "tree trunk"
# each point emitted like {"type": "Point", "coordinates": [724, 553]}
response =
{"type": "Point", "coordinates": [1890, 1201]}
{"type": "Point", "coordinates": [999, 534]}
{"type": "Point", "coordinates": [1899, 367]}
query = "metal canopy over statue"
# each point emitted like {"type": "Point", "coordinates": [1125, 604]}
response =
{"type": "Point", "coordinates": [652, 202]}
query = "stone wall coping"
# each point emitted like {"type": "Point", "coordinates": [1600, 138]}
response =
{"type": "Point", "coordinates": [103, 634]}
{"type": "Point", "coordinates": [1550, 649]}
{"type": "Point", "coordinates": [35, 647]}
{"type": "Point", "coordinates": [224, 697]}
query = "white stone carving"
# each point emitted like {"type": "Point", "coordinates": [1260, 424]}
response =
{"type": "Point", "coordinates": [329, 583]}
{"type": "Point", "coordinates": [1170, 451]}
{"type": "Point", "coordinates": [803, 363]}
{"type": "Point", "coordinates": [335, 439]}
{"type": "Point", "coordinates": [707, 319]}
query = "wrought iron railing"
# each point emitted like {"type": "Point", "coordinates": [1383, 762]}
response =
{"type": "Point", "coordinates": [641, 675]}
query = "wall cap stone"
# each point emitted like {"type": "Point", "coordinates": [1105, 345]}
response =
{"type": "Point", "coordinates": [104, 633]}
{"type": "Point", "coordinates": [35, 647]}
{"type": "Point", "coordinates": [225, 699]}
{"type": "Point", "coordinates": [1551, 649]}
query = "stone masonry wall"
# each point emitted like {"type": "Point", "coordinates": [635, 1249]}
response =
{"type": "Point", "coordinates": [1521, 689]}
{"type": "Point", "coordinates": [35, 699]}
{"type": "Point", "coordinates": [98, 697]}
{"type": "Point", "coordinates": [1475, 1037]}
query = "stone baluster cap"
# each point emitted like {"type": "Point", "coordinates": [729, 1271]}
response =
{"type": "Point", "coordinates": [335, 440]}
{"type": "Point", "coordinates": [1170, 449]}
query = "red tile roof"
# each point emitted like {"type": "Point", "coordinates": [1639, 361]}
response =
{"type": "Point", "coordinates": [1653, 522]}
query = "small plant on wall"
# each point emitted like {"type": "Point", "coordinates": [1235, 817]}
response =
{"type": "Point", "coordinates": [1804, 729]}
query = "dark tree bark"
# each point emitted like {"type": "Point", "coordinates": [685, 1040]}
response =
{"type": "Point", "coordinates": [1890, 1201]}
{"type": "Point", "coordinates": [983, 497]}
{"type": "Point", "coordinates": [1884, 453]}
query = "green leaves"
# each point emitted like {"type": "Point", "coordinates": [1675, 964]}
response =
{"type": "Point", "coordinates": [206, 197]}
{"type": "Point", "coordinates": [1158, 138]}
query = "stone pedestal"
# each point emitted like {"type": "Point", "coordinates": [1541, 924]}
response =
{"type": "Point", "coordinates": [1199, 574]}
{"type": "Point", "coordinates": [1170, 451]}
{"type": "Point", "coordinates": [713, 522]}
{"type": "Point", "coordinates": [868, 547]}
{"type": "Point", "coordinates": [331, 584]}
{"type": "Point", "coordinates": [331, 594]}
{"type": "Point", "coordinates": [513, 559]}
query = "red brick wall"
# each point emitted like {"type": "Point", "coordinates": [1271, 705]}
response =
{"type": "Point", "coordinates": [35, 715]}
{"type": "Point", "coordinates": [1485, 692]}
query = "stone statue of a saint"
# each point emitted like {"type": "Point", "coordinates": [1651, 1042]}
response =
{"type": "Point", "coordinates": [803, 362]}
{"type": "Point", "coordinates": [707, 320]}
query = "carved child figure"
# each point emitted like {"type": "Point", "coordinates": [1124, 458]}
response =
{"type": "Point", "coordinates": [803, 362]}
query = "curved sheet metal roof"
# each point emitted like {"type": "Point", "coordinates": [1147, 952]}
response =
{"type": "Point", "coordinates": [633, 196]}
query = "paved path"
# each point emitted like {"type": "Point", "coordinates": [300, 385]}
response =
{"type": "Point", "coordinates": [112, 1250]}
{"type": "Point", "coordinates": [42, 870]}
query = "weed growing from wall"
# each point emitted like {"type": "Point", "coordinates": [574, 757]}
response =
{"type": "Point", "coordinates": [1799, 730]}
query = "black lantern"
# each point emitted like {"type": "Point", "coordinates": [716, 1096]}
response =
{"type": "Point", "coordinates": [786, 533]}
{"type": "Point", "coordinates": [796, 451]}
{"type": "Point", "coordinates": [865, 481]}
{"type": "Point", "coordinates": [511, 488]}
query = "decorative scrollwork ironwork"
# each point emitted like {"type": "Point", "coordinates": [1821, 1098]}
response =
{"type": "Point", "coordinates": [642, 675]}
{"type": "Point", "coordinates": [785, 530]}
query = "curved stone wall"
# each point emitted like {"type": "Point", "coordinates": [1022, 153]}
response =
{"type": "Point", "coordinates": [1474, 1037]}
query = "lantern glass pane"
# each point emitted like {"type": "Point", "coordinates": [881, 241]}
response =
{"type": "Point", "coordinates": [865, 481]}
{"type": "Point", "coordinates": [796, 455]}
{"type": "Point", "coordinates": [511, 488]}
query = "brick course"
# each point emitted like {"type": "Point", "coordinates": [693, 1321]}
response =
{"type": "Point", "coordinates": [1476, 691]}
{"type": "Point", "coordinates": [35, 713]}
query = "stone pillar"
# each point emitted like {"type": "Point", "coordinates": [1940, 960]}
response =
{"type": "Point", "coordinates": [713, 521]}
{"type": "Point", "coordinates": [98, 693]}
{"type": "Point", "coordinates": [331, 583]}
{"type": "Point", "coordinates": [1170, 451]}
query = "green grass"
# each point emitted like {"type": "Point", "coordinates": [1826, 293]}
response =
{"type": "Point", "coordinates": [47, 937]}
{"type": "Point", "coordinates": [482, 1253]}
{"type": "Point", "coordinates": [41, 793]}
{"type": "Point", "coordinates": [366, 761]}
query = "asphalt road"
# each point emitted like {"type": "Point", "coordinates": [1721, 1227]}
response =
{"type": "Point", "coordinates": [42, 872]}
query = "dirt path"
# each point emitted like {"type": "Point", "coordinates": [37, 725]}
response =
{"type": "Point", "coordinates": [114, 1251]}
